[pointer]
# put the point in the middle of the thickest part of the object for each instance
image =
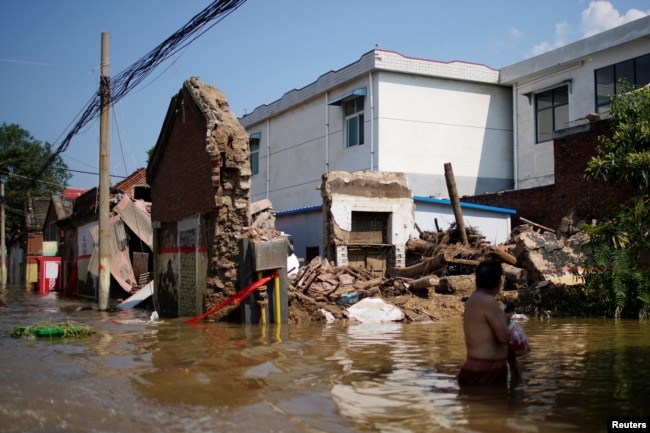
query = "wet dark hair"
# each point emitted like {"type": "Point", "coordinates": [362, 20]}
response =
{"type": "Point", "coordinates": [488, 274]}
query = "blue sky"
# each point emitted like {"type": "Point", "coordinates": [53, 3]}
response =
{"type": "Point", "coordinates": [50, 52]}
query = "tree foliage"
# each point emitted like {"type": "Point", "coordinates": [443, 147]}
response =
{"type": "Point", "coordinates": [625, 154]}
{"type": "Point", "coordinates": [21, 159]}
{"type": "Point", "coordinates": [618, 272]}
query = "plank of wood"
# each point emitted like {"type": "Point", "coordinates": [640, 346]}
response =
{"type": "Point", "coordinates": [539, 226]}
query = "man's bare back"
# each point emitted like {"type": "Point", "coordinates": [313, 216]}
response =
{"type": "Point", "coordinates": [486, 330]}
{"type": "Point", "coordinates": [486, 327]}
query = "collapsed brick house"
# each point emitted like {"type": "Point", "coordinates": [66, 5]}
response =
{"type": "Point", "coordinates": [199, 174]}
{"type": "Point", "coordinates": [131, 254]}
{"type": "Point", "coordinates": [367, 219]}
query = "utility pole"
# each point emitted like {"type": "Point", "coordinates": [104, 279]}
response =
{"type": "Point", "coordinates": [3, 242]}
{"type": "Point", "coordinates": [104, 179]}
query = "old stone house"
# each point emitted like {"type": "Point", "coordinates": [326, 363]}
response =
{"type": "Point", "coordinates": [199, 176]}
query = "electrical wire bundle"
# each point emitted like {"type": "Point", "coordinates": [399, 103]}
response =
{"type": "Point", "coordinates": [128, 79]}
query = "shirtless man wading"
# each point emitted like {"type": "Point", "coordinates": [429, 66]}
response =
{"type": "Point", "coordinates": [486, 330]}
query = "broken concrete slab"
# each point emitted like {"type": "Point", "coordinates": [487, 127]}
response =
{"type": "Point", "coordinates": [546, 258]}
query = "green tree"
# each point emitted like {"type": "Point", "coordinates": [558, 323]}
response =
{"type": "Point", "coordinates": [618, 274]}
{"type": "Point", "coordinates": [22, 159]}
{"type": "Point", "coordinates": [625, 155]}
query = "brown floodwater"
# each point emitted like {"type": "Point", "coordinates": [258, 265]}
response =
{"type": "Point", "coordinates": [169, 376]}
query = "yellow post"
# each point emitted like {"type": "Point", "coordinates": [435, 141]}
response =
{"type": "Point", "coordinates": [278, 309]}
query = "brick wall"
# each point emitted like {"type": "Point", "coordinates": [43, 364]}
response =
{"type": "Point", "coordinates": [34, 244]}
{"type": "Point", "coordinates": [182, 185]}
{"type": "Point", "coordinates": [200, 166]}
{"type": "Point", "coordinates": [547, 205]}
{"type": "Point", "coordinates": [137, 178]}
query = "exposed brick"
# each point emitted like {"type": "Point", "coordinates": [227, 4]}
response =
{"type": "Point", "coordinates": [547, 205]}
{"type": "Point", "coordinates": [200, 168]}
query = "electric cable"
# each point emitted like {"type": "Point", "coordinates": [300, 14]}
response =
{"type": "Point", "coordinates": [130, 78]}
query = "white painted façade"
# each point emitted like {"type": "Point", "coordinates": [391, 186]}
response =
{"type": "Point", "coordinates": [394, 113]}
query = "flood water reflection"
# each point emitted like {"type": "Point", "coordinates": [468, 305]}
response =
{"type": "Point", "coordinates": [170, 376]}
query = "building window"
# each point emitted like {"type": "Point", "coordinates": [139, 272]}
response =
{"type": "Point", "coordinates": [254, 146]}
{"type": "Point", "coordinates": [353, 109]}
{"type": "Point", "coordinates": [608, 79]}
{"type": "Point", "coordinates": [552, 112]}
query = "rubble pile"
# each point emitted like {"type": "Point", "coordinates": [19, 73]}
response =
{"type": "Point", "coordinates": [439, 276]}
{"type": "Point", "coordinates": [433, 287]}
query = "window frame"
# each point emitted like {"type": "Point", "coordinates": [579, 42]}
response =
{"type": "Point", "coordinates": [254, 155]}
{"type": "Point", "coordinates": [353, 121]}
{"type": "Point", "coordinates": [636, 66]}
{"type": "Point", "coordinates": [557, 106]}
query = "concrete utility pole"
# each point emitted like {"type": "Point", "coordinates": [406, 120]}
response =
{"type": "Point", "coordinates": [104, 179]}
{"type": "Point", "coordinates": [3, 242]}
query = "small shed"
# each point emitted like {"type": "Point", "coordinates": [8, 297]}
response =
{"type": "Point", "coordinates": [433, 214]}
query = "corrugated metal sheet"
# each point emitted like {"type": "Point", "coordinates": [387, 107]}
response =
{"type": "Point", "coordinates": [137, 219]}
{"type": "Point", "coordinates": [360, 91]}
{"type": "Point", "coordinates": [121, 268]}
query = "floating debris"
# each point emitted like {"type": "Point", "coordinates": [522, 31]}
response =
{"type": "Point", "coordinates": [50, 330]}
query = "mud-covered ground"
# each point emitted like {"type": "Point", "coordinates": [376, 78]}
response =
{"type": "Point", "coordinates": [547, 301]}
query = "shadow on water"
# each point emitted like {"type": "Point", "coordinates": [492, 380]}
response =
{"type": "Point", "coordinates": [135, 375]}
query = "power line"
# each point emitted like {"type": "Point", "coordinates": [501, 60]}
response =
{"type": "Point", "coordinates": [31, 179]}
{"type": "Point", "coordinates": [34, 179]}
{"type": "Point", "coordinates": [127, 80]}
{"type": "Point", "coordinates": [96, 173]}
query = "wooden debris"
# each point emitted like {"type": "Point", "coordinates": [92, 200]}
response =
{"type": "Point", "coordinates": [423, 283]}
{"type": "Point", "coordinates": [537, 226]}
{"type": "Point", "coordinates": [455, 284]}
{"type": "Point", "coordinates": [425, 267]}
{"type": "Point", "coordinates": [503, 256]}
{"type": "Point", "coordinates": [440, 268]}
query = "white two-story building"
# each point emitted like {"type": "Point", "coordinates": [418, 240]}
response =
{"type": "Point", "coordinates": [394, 113]}
{"type": "Point", "coordinates": [560, 88]}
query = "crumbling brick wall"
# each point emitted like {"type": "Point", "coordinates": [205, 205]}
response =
{"type": "Point", "coordinates": [200, 171]}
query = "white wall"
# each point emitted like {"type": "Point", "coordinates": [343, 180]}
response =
{"type": "Point", "coordinates": [401, 211]}
{"type": "Point", "coordinates": [85, 242]}
{"type": "Point", "coordinates": [425, 123]}
{"type": "Point", "coordinates": [305, 228]}
{"type": "Point", "coordinates": [303, 143]}
{"type": "Point", "coordinates": [573, 65]}
{"type": "Point", "coordinates": [494, 223]}
{"type": "Point", "coordinates": [414, 125]}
